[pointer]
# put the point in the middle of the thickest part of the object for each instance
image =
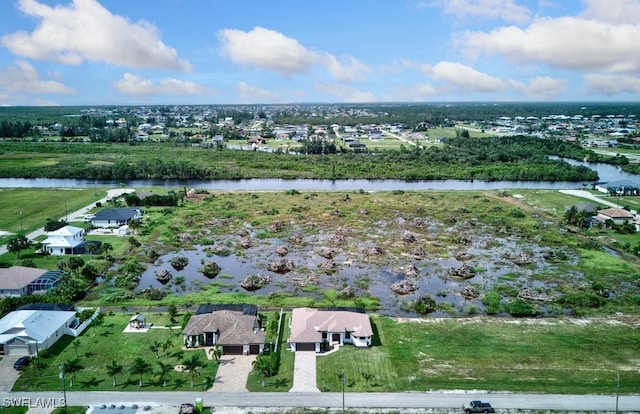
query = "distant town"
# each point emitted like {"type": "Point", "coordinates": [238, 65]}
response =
{"type": "Point", "coordinates": [354, 126]}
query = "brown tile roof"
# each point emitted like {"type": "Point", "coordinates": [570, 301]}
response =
{"type": "Point", "coordinates": [615, 213]}
{"type": "Point", "coordinates": [235, 328]}
{"type": "Point", "coordinates": [308, 324]}
{"type": "Point", "coordinates": [17, 277]}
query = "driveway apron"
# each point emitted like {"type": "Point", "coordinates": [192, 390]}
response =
{"type": "Point", "coordinates": [233, 373]}
{"type": "Point", "coordinates": [304, 373]}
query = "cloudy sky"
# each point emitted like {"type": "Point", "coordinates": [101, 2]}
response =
{"type": "Point", "coordinates": [93, 52]}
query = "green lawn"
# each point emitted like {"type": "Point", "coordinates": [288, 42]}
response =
{"type": "Point", "coordinates": [98, 346]}
{"type": "Point", "coordinates": [557, 356]}
{"type": "Point", "coordinates": [39, 204]}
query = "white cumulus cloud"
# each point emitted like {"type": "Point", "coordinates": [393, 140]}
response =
{"type": "Point", "coordinates": [611, 84]}
{"type": "Point", "coordinates": [613, 11]}
{"type": "Point", "coordinates": [135, 85]}
{"type": "Point", "coordinates": [86, 31]}
{"type": "Point", "coordinates": [540, 87]}
{"type": "Point", "coordinates": [24, 78]}
{"type": "Point", "coordinates": [576, 43]}
{"type": "Point", "coordinates": [269, 49]}
{"type": "Point", "coordinates": [462, 77]}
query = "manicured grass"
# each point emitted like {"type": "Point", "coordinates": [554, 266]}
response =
{"type": "Point", "coordinates": [39, 204]}
{"type": "Point", "coordinates": [284, 379]}
{"type": "Point", "coordinates": [98, 346]}
{"type": "Point", "coordinates": [555, 356]}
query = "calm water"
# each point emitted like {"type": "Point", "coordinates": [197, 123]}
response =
{"type": "Point", "coordinates": [606, 172]}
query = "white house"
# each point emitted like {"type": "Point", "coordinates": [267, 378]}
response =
{"type": "Point", "coordinates": [311, 327]}
{"type": "Point", "coordinates": [26, 332]}
{"type": "Point", "coordinates": [64, 241]}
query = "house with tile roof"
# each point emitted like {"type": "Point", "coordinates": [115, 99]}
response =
{"type": "Point", "coordinates": [20, 280]}
{"type": "Point", "coordinates": [66, 240]}
{"type": "Point", "coordinates": [237, 332]}
{"type": "Point", "coordinates": [618, 215]}
{"type": "Point", "coordinates": [312, 327]}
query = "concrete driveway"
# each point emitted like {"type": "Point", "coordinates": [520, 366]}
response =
{"type": "Point", "coordinates": [233, 373]}
{"type": "Point", "coordinates": [304, 373]}
{"type": "Point", "coordinates": [8, 375]}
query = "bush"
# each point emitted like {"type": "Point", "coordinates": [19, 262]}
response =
{"type": "Point", "coordinates": [520, 308]}
{"type": "Point", "coordinates": [424, 304]}
{"type": "Point", "coordinates": [492, 302]}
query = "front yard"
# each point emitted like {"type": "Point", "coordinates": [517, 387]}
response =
{"type": "Point", "coordinates": [562, 356]}
{"type": "Point", "coordinates": [99, 346]}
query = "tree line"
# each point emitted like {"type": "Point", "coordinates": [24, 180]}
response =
{"type": "Point", "coordinates": [497, 158]}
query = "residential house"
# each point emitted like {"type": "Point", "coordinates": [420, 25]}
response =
{"type": "Point", "coordinates": [620, 188]}
{"type": "Point", "coordinates": [20, 280]}
{"type": "Point", "coordinates": [235, 328]}
{"type": "Point", "coordinates": [115, 217]}
{"type": "Point", "coordinates": [312, 327]}
{"type": "Point", "coordinates": [617, 215]}
{"type": "Point", "coordinates": [375, 135]}
{"type": "Point", "coordinates": [29, 331]}
{"type": "Point", "coordinates": [66, 240]}
{"type": "Point", "coordinates": [587, 207]}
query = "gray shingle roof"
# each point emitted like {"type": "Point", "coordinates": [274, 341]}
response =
{"type": "Point", "coordinates": [235, 328]}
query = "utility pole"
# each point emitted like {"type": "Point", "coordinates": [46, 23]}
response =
{"type": "Point", "coordinates": [617, 389]}
{"type": "Point", "coordinates": [343, 380]}
{"type": "Point", "coordinates": [21, 212]}
{"type": "Point", "coordinates": [64, 387]}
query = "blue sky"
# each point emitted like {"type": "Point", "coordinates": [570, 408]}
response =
{"type": "Point", "coordinates": [104, 52]}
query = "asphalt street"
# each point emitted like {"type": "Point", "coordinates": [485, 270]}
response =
{"type": "Point", "coordinates": [452, 400]}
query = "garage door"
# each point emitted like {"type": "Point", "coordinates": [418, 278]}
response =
{"type": "Point", "coordinates": [305, 346]}
{"type": "Point", "coordinates": [232, 349]}
{"type": "Point", "coordinates": [254, 349]}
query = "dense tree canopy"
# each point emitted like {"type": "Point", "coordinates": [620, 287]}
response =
{"type": "Point", "coordinates": [497, 158]}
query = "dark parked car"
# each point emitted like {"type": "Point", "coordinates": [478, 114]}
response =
{"type": "Point", "coordinates": [478, 407]}
{"type": "Point", "coordinates": [21, 363]}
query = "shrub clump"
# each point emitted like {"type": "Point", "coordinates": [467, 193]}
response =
{"type": "Point", "coordinates": [179, 262]}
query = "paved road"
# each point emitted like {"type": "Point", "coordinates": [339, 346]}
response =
{"type": "Point", "coordinates": [76, 215]}
{"type": "Point", "coordinates": [452, 400]}
{"type": "Point", "coordinates": [593, 197]}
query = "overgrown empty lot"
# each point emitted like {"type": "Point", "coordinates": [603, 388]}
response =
{"type": "Point", "coordinates": [402, 253]}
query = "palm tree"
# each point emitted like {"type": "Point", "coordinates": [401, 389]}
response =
{"type": "Point", "coordinates": [140, 367]}
{"type": "Point", "coordinates": [75, 263]}
{"type": "Point", "coordinates": [134, 224]}
{"type": "Point", "coordinates": [62, 264]}
{"type": "Point", "coordinates": [76, 345]}
{"type": "Point", "coordinates": [113, 370]}
{"type": "Point", "coordinates": [263, 364]}
{"type": "Point", "coordinates": [155, 347]}
{"type": "Point", "coordinates": [216, 352]}
{"type": "Point", "coordinates": [163, 369]}
{"type": "Point", "coordinates": [91, 249]}
{"type": "Point", "coordinates": [106, 247]}
{"type": "Point", "coordinates": [367, 377]}
{"type": "Point", "coordinates": [71, 367]}
{"type": "Point", "coordinates": [192, 366]}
